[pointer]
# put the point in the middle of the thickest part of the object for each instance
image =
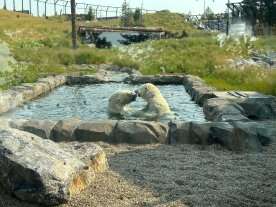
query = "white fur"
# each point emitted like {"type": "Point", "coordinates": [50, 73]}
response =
{"type": "Point", "coordinates": [117, 104]}
{"type": "Point", "coordinates": [157, 105]}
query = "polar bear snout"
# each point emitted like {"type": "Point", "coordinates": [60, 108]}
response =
{"type": "Point", "coordinates": [133, 96]}
{"type": "Point", "coordinates": [118, 101]}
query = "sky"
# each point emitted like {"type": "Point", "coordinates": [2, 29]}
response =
{"type": "Point", "coordinates": [181, 6]}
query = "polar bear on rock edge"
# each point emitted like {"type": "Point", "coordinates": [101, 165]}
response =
{"type": "Point", "coordinates": [117, 103]}
{"type": "Point", "coordinates": [157, 105]}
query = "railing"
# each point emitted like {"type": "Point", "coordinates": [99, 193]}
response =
{"type": "Point", "coordinates": [62, 7]}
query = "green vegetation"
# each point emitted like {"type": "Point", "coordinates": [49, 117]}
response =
{"type": "Point", "coordinates": [202, 56]}
{"type": "Point", "coordinates": [43, 47]}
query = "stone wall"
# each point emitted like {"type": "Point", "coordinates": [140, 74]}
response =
{"type": "Point", "coordinates": [239, 121]}
{"type": "Point", "coordinates": [234, 135]}
{"type": "Point", "coordinates": [19, 95]}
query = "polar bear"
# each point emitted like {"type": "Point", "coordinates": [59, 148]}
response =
{"type": "Point", "coordinates": [157, 105]}
{"type": "Point", "coordinates": [117, 103]}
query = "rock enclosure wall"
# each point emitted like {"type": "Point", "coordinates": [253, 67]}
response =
{"type": "Point", "coordinates": [239, 121]}
{"type": "Point", "coordinates": [18, 95]}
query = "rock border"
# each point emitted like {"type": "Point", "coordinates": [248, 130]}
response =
{"type": "Point", "coordinates": [235, 135]}
{"type": "Point", "coordinates": [235, 106]}
{"type": "Point", "coordinates": [239, 121]}
{"type": "Point", "coordinates": [18, 95]}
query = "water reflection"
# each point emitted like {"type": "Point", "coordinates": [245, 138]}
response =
{"type": "Point", "coordinates": [115, 39]}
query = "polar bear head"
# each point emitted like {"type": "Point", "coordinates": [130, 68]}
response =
{"type": "Point", "coordinates": [156, 103]}
{"type": "Point", "coordinates": [119, 100]}
{"type": "Point", "coordinates": [148, 91]}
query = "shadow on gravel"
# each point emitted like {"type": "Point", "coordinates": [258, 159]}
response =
{"type": "Point", "coordinates": [200, 177]}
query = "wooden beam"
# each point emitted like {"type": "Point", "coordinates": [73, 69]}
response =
{"type": "Point", "coordinates": [120, 29]}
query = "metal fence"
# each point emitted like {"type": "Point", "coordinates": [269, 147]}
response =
{"type": "Point", "coordinates": [62, 7]}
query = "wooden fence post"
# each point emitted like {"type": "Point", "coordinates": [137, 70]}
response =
{"type": "Point", "coordinates": [73, 20]}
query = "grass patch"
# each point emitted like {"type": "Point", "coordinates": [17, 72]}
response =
{"type": "Point", "coordinates": [203, 57]}
{"type": "Point", "coordinates": [44, 47]}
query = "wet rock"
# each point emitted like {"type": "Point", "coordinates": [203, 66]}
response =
{"type": "Point", "coordinates": [195, 132]}
{"type": "Point", "coordinates": [94, 131]}
{"type": "Point", "coordinates": [238, 138]}
{"type": "Point", "coordinates": [265, 130]}
{"type": "Point", "coordinates": [191, 81]}
{"type": "Point", "coordinates": [41, 128]}
{"type": "Point", "coordinates": [139, 132]}
{"type": "Point", "coordinates": [201, 94]}
{"type": "Point", "coordinates": [157, 79]}
{"type": "Point", "coordinates": [179, 133]}
{"type": "Point", "coordinates": [198, 89]}
{"type": "Point", "coordinates": [39, 170]}
{"type": "Point", "coordinates": [219, 109]}
{"type": "Point", "coordinates": [87, 79]}
{"type": "Point", "coordinates": [64, 130]}
{"type": "Point", "coordinates": [260, 108]}
{"type": "Point", "coordinates": [28, 91]}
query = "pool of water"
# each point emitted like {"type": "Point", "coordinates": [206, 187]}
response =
{"type": "Point", "coordinates": [89, 102]}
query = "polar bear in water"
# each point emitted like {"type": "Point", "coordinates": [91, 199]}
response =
{"type": "Point", "coordinates": [157, 106]}
{"type": "Point", "coordinates": [117, 104]}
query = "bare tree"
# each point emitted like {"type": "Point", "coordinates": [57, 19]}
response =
{"type": "Point", "coordinates": [73, 19]}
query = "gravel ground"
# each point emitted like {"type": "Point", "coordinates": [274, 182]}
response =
{"type": "Point", "coordinates": [185, 175]}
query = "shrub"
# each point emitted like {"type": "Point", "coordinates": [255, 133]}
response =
{"type": "Point", "coordinates": [66, 57]}
{"type": "Point", "coordinates": [125, 63]}
{"type": "Point", "coordinates": [89, 57]}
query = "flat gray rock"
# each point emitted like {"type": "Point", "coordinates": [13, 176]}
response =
{"type": "Point", "coordinates": [219, 109]}
{"type": "Point", "coordinates": [140, 132]}
{"type": "Point", "coordinates": [40, 171]}
{"type": "Point", "coordinates": [41, 128]}
{"type": "Point", "coordinates": [64, 130]}
{"type": "Point", "coordinates": [95, 131]}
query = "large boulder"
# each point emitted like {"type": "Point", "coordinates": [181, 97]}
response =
{"type": "Point", "coordinates": [64, 130]}
{"type": "Point", "coordinates": [219, 109]}
{"type": "Point", "coordinates": [260, 108]}
{"type": "Point", "coordinates": [238, 138]}
{"type": "Point", "coordinates": [139, 132]}
{"type": "Point", "coordinates": [40, 171]}
{"type": "Point", "coordinates": [198, 89]}
{"type": "Point", "coordinates": [235, 136]}
{"type": "Point", "coordinates": [41, 128]}
{"type": "Point", "coordinates": [201, 94]}
{"type": "Point", "coordinates": [264, 130]}
{"type": "Point", "coordinates": [194, 132]}
{"type": "Point", "coordinates": [179, 133]}
{"type": "Point", "coordinates": [94, 131]}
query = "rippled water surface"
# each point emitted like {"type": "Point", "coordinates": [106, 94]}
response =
{"type": "Point", "coordinates": [90, 102]}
